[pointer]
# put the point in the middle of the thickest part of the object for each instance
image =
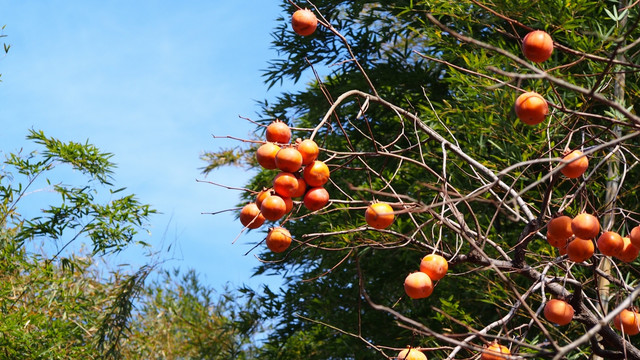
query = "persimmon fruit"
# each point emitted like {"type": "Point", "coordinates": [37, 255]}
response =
{"type": "Point", "coordinates": [537, 46]}
{"type": "Point", "coordinates": [266, 155]}
{"type": "Point", "coordinates": [250, 216]}
{"type": "Point", "coordinates": [531, 108]}
{"type": "Point", "coordinates": [411, 354]}
{"type": "Point", "coordinates": [304, 22]}
{"type": "Point", "coordinates": [560, 227]}
{"type": "Point", "coordinates": [627, 321]}
{"type": "Point", "coordinates": [288, 159]}
{"type": "Point", "coordinates": [316, 173]}
{"type": "Point", "coordinates": [273, 208]}
{"type": "Point", "coordinates": [435, 266]}
{"type": "Point", "coordinates": [278, 132]}
{"type": "Point", "coordinates": [558, 311]}
{"type": "Point", "coordinates": [285, 184]}
{"type": "Point", "coordinates": [418, 285]}
{"type": "Point", "coordinates": [634, 236]}
{"type": "Point", "coordinates": [629, 252]}
{"type": "Point", "coordinates": [263, 195]}
{"type": "Point", "coordinates": [379, 215]}
{"type": "Point", "coordinates": [278, 239]}
{"type": "Point", "coordinates": [610, 243]}
{"type": "Point", "coordinates": [580, 250]}
{"type": "Point", "coordinates": [309, 151]}
{"type": "Point", "coordinates": [316, 198]}
{"type": "Point", "coordinates": [578, 165]}
{"type": "Point", "coordinates": [585, 226]}
{"type": "Point", "coordinates": [288, 202]}
{"type": "Point", "coordinates": [495, 351]}
{"type": "Point", "coordinates": [556, 242]}
{"type": "Point", "coordinates": [301, 188]}
{"type": "Point", "coordinates": [562, 250]}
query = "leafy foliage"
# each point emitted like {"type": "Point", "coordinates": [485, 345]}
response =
{"type": "Point", "coordinates": [224, 157]}
{"type": "Point", "coordinates": [60, 306]}
{"type": "Point", "coordinates": [109, 227]}
{"type": "Point", "coordinates": [179, 318]}
{"type": "Point", "coordinates": [413, 107]}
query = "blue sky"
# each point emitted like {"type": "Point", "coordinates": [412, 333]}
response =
{"type": "Point", "coordinates": [150, 82]}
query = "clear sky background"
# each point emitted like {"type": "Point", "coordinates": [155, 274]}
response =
{"type": "Point", "coordinates": [150, 82]}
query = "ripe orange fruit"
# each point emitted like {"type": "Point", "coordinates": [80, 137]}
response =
{"type": "Point", "coordinates": [537, 46]}
{"type": "Point", "coordinates": [304, 22]}
{"type": "Point", "coordinates": [285, 184]}
{"type": "Point", "coordinates": [411, 354]}
{"type": "Point", "coordinates": [379, 215]}
{"type": "Point", "coordinates": [531, 108]}
{"type": "Point", "coordinates": [266, 155]}
{"type": "Point", "coordinates": [289, 159]}
{"type": "Point", "coordinates": [580, 250]}
{"type": "Point", "coordinates": [495, 351]}
{"type": "Point", "coordinates": [558, 311]}
{"type": "Point", "coordinates": [556, 242]}
{"type": "Point", "coordinates": [309, 150]}
{"type": "Point", "coordinates": [610, 243]}
{"type": "Point", "coordinates": [635, 236]}
{"type": "Point", "coordinates": [629, 252]}
{"type": "Point", "coordinates": [560, 227]}
{"type": "Point", "coordinates": [250, 216]}
{"type": "Point", "coordinates": [576, 168]}
{"type": "Point", "coordinates": [263, 195]}
{"type": "Point", "coordinates": [316, 173]}
{"type": "Point", "coordinates": [435, 266]}
{"type": "Point", "coordinates": [562, 250]}
{"type": "Point", "coordinates": [273, 208]}
{"type": "Point", "coordinates": [278, 239]}
{"type": "Point", "coordinates": [288, 202]}
{"type": "Point", "coordinates": [278, 132]}
{"type": "Point", "coordinates": [301, 189]}
{"type": "Point", "coordinates": [316, 198]}
{"type": "Point", "coordinates": [418, 285]}
{"type": "Point", "coordinates": [627, 321]}
{"type": "Point", "coordinates": [585, 226]}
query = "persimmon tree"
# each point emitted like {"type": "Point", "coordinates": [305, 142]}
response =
{"type": "Point", "coordinates": [413, 105]}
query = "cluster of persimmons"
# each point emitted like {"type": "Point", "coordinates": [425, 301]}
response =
{"type": "Point", "coordinates": [302, 175]}
{"type": "Point", "coordinates": [573, 237]}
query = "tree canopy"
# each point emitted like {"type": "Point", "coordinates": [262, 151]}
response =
{"type": "Point", "coordinates": [413, 105]}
